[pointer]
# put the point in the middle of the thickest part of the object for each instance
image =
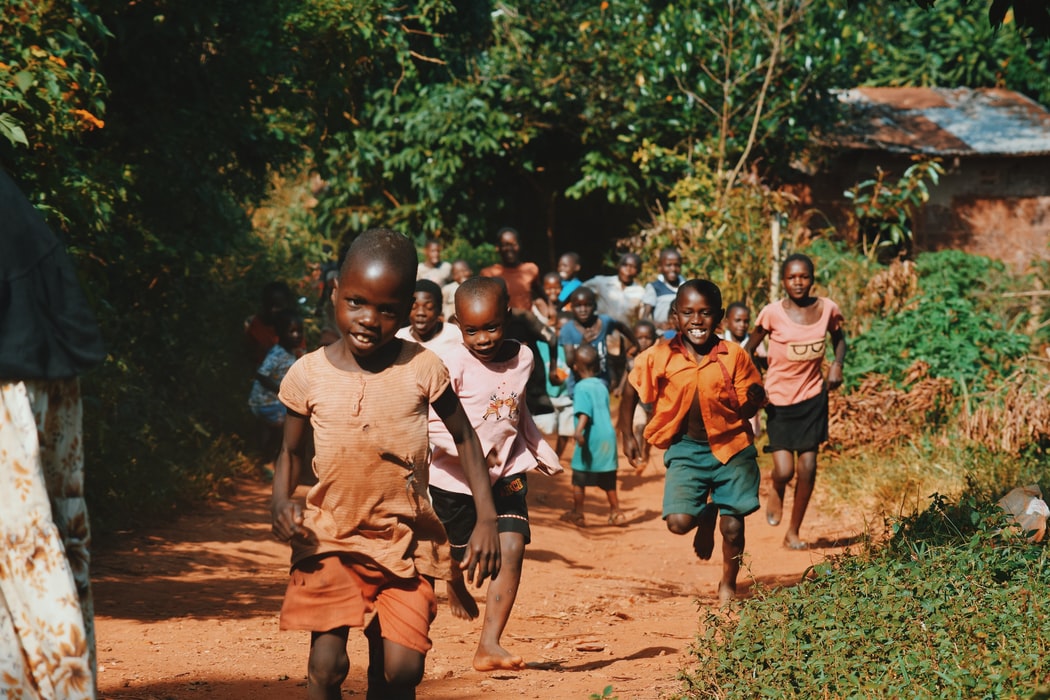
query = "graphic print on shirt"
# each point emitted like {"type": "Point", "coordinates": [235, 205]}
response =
{"type": "Point", "coordinates": [805, 352]}
{"type": "Point", "coordinates": [496, 403]}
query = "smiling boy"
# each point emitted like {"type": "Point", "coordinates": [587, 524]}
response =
{"type": "Point", "coordinates": [703, 392]}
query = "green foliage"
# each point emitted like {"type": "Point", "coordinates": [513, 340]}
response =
{"type": "Point", "coordinates": [952, 607]}
{"type": "Point", "coordinates": [477, 255]}
{"type": "Point", "coordinates": [722, 236]}
{"type": "Point", "coordinates": [151, 138]}
{"type": "Point", "coordinates": [951, 46]}
{"type": "Point", "coordinates": [882, 211]}
{"type": "Point", "coordinates": [606, 694]}
{"type": "Point", "coordinates": [954, 326]}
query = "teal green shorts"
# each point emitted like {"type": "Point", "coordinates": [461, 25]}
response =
{"type": "Point", "coordinates": [693, 473]}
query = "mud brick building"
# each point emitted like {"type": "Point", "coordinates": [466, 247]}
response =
{"type": "Point", "coordinates": [994, 198]}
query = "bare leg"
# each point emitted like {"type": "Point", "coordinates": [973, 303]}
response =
{"type": "Point", "coordinates": [807, 477]}
{"type": "Point", "coordinates": [394, 670]}
{"type": "Point", "coordinates": [616, 514]}
{"type": "Point", "coordinates": [503, 590]}
{"type": "Point", "coordinates": [460, 601]}
{"type": "Point", "coordinates": [680, 523]}
{"type": "Point", "coordinates": [578, 494]}
{"type": "Point", "coordinates": [704, 540]}
{"type": "Point", "coordinates": [732, 529]}
{"type": "Point", "coordinates": [783, 472]}
{"type": "Point", "coordinates": [559, 445]}
{"type": "Point", "coordinates": [328, 664]}
{"type": "Point", "coordinates": [643, 446]}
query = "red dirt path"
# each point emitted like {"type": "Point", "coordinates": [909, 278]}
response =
{"type": "Point", "coordinates": [190, 610]}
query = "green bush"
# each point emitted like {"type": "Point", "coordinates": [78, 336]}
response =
{"type": "Point", "coordinates": [958, 326]}
{"type": "Point", "coordinates": [953, 606]}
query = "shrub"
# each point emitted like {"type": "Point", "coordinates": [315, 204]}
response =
{"type": "Point", "coordinates": [956, 325]}
{"type": "Point", "coordinates": [953, 606]}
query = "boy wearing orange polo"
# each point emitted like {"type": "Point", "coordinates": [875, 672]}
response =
{"type": "Point", "coordinates": [704, 391]}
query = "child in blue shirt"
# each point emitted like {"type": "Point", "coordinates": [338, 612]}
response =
{"type": "Point", "coordinates": [589, 328]}
{"type": "Point", "coordinates": [594, 462]}
{"type": "Point", "coordinates": [262, 400]}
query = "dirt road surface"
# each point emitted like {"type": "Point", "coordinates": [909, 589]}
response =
{"type": "Point", "coordinates": [190, 610]}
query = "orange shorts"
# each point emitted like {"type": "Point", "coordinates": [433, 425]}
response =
{"type": "Point", "coordinates": [333, 590]}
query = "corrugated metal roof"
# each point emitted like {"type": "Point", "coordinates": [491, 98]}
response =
{"type": "Point", "coordinates": [943, 122]}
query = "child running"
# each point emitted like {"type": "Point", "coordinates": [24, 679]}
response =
{"type": "Point", "coordinates": [262, 400]}
{"type": "Point", "coordinates": [703, 392]}
{"type": "Point", "coordinates": [738, 330]}
{"type": "Point", "coordinates": [489, 374]}
{"type": "Point", "coordinates": [559, 421]}
{"type": "Point", "coordinates": [658, 295]}
{"type": "Point", "coordinates": [460, 273]}
{"type": "Point", "coordinates": [592, 329]}
{"type": "Point", "coordinates": [645, 335]}
{"type": "Point", "coordinates": [425, 325]}
{"type": "Point", "coordinates": [368, 538]}
{"type": "Point", "coordinates": [797, 414]}
{"type": "Point", "coordinates": [594, 461]}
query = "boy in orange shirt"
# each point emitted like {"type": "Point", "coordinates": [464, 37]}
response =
{"type": "Point", "coordinates": [703, 390]}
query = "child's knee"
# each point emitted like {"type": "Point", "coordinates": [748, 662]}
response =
{"type": "Point", "coordinates": [807, 466]}
{"type": "Point", "coordinates": [512, 550]}
{"type": "Point", "coordinates": [680, 523]}
{"type": "Point", "coordinates": [328, 667]}
{"type": "Point", "coordinates": [403, 667]}
{"type": "Point", "coordinates": [406, 674]}
{"type": "Point", "coordinates": [732, 528]}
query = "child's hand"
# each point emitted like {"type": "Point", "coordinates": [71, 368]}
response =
{"type": "Point", "coordinates": [580, 439]}
{"type": "Point", "coordinates": [483, 553]}
{"type": "Point", "coordinates": [287, 518]}
{"type": "Point", "coordinates": [630, 448]}
{"type": "Point", "coordinates": [756, 394]}
{"type": "Point", "coordinates": [835, 376]}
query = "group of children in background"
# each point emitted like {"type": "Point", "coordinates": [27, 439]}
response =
{"type": "Point", "coordinates": [425, 430]}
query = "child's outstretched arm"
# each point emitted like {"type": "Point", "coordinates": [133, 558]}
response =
{"type": "Point", "coordinates": [483, 552]}
{"type": "Point", "coordinates": [625, 330]}
{"type": "Point", "coordinates": [628, 402]}
{"type": "Point", "coordinates": [582, 421]}
{"type": "Point", "coordinates": [838, 341]}
{"type": "Point", "coordinates": [755, 340]}
{"type": "Point", "coordinates": [286, 514]}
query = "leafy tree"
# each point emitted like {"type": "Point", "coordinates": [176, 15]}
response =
{"type": "Point", "coordinates": [51, 101]}
{"type": "Point", "coordinates": [1032, 16]}
{"type": "Point", "coordinates": [953, 45]}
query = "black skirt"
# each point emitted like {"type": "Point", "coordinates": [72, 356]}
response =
{"type": "Point", "coordinates": [800, 427]}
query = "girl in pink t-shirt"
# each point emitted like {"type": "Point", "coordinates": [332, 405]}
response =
{"type": "Point", "coordinates": [488, 373]}
{"type": "Point", "coordinates": [797, 415]}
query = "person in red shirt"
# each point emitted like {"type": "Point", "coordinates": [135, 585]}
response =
{"type": "Point", "coordinates": [520, 277]}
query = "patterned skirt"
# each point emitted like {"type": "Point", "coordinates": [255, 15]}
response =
{"type": "Point", "coordinates": [47, 643]}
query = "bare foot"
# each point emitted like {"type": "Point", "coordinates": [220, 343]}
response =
{"type": "Point", "coordinates": [704, 539]}
{"type": "Point", "coordinates": [460, 601]}
{"type": "Point", "coordinates": [793, 542]}
{"type": "Point", "coordinates": [774, 507]}
{"type": "Point", "coordinates": [497, 659]}
{"type": "Point", "coordinates": [726, 593]}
